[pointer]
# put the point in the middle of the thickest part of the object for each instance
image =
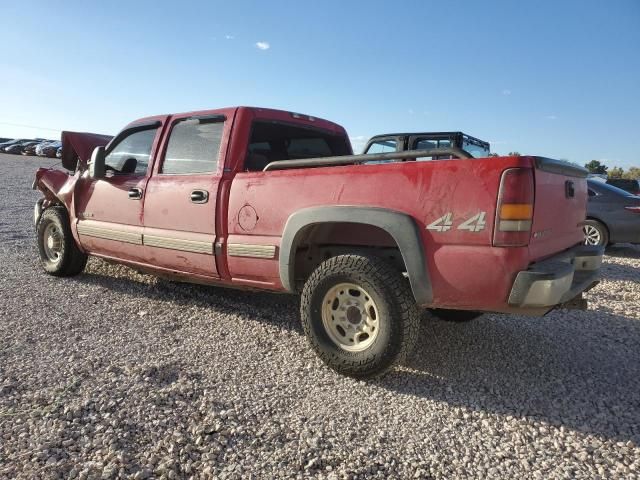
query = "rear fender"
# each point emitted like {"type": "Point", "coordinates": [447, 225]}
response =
{"type": "Point", "coordinates": [402, 228]}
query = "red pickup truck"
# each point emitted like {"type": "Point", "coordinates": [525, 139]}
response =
{"type": "Point", "coordinates": [264, 199]}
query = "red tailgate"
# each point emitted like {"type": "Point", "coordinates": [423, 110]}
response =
{"type": "Point", "coordinates": [560, 207]}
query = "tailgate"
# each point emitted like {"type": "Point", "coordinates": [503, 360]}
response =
{"type": "Point", "coordinates": [560, 207]}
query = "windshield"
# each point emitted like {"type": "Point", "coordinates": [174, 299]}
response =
{"type": "Point", "coordinates": [475, 147]}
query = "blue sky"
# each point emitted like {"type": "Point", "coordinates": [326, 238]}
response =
{"type": "Point", "coordinates": [554, 78]}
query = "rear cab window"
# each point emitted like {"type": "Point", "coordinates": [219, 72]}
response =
{"type": "Point", "coordinates": [274, 141]}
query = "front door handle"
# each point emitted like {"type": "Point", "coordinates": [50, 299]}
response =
{"type": "Point", "coordinates": [199, 196]}
{"type": "Point", "coordinates": [135, 193]}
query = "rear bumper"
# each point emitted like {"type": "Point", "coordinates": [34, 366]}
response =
{"type": "Point", "coordinates": [558, 279]}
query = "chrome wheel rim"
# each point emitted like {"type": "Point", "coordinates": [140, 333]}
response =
{"type": "Point", "coordinates": [350, 317]}
{"type": "Point", "coordinates": [52, 243]}
{"type": "Point", "coordinates": [592, 235]}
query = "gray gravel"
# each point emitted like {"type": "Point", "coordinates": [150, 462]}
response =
{"type": "Point", "coordinates": [116, 374]}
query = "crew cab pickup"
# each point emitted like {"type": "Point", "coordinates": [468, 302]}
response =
{"type": "Point", "coordinates": [256, 198]}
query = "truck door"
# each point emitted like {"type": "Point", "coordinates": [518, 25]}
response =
{"type": "Point", "coordinates": [109, 209]}
{"type": "Point", "coordinates": [180, 205]}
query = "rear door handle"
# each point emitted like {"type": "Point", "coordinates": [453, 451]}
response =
{"type": "Point", "coordinates": [199, 196]}
{"type": "Point", "coordinates": [135, 193]}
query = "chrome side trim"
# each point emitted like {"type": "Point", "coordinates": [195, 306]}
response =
{"type": "Point", "coordinates": [245, 250]}
{"type": "Point", "coordinates": [194, 246]}
{"type": "Point", "coordinates": [109, 234]}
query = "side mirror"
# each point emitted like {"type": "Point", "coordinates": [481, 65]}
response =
{"type": "Point", "coordinates": [96, 165]}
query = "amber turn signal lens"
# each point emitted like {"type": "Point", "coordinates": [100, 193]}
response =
{"type": "Point", "coordinates": [516, 211]}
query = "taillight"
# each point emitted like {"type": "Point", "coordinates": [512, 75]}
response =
{"type": "Point", "coordinates": [634, 208]}
{"type": "Point", "coordinates": [514, 212]}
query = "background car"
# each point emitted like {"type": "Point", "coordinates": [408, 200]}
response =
{"type": "Point", "coordinates": [59, 152]}
{"type": "Point", "coordinates": [30, 148]}
{"type": "Point", "coordinates": [8, 143]}
{"type": "Point", "coordinates": [631, 186]}
{"type": "Point", "coordinates": [17, 148]}
{"type": "Point", "coordinates": [3, 139]}
{"type": "Point", "coordinates": [613, 215]}
{"type": "Point", "coordinates": [48, 148]}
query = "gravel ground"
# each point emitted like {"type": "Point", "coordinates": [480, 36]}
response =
{"type": "Point", "coordinates": [116, 374]}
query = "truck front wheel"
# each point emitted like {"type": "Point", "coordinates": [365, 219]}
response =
{"type": "Point", "coordinates": [359, 315]}
{"type": "Point", "coordinates": [59, 254]}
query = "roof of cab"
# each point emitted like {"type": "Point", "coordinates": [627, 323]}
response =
{"type": "Point", "coordinates": [259, 112]}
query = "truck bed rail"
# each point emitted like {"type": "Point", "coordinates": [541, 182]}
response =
{"type": "Point", "coordinates": [356, 159]}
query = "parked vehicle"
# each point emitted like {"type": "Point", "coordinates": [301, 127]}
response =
{"type": "Point", "coordinates": [17, 148]}
{"type": "Point", "coordinates": [2, 140]}
{"type": "Point", "coordinates": [613, 215]}
{"type": "Point", "coordinates": [9, 143]}
{"type": "Point", "coordinates": [30, 148]}
{"type": "Point", "coordinates": [59, 152]}
{"type": "Point", "coordinates": [631, 186]}
{"type": "Point", "coordinates": [397, 142]}
{"type": "Point", "coordinates": [265, 199]}
{"type": "Point", "coordinates": [48, 149]}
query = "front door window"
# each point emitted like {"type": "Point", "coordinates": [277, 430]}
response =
{"type": "Point", "coordinates": [131, 155]}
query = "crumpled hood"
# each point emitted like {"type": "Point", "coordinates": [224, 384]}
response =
{"type": "Point", "coordinates": [78, 146]}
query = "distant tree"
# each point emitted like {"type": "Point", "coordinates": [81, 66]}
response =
{"type": "Point", "coordinates": [633, 173]}
{"type": "Point", "coordinates": [494, 155]}
{"type": "Point", "coordinates": [594, 166]}
{"type": "Point", "coordinates": [615, 172]}
{"type": "Point", "coordinates": [514, 154]}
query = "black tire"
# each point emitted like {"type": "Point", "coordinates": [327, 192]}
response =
{"type": "Point", "coordinates": [398, 319]}
{"type": "Point", "coordinates": [70, 260]}
{"type": "Point", "coordinates": [601, 232]}
{"type": "Point", "coordinates": [459, 316]}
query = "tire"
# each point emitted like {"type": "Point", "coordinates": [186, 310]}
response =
{"type": "Point", "coordinates": [59, 254]}
{"type": "Point", "coordinates": [369, 344]}
{"type": "Point", "coordinates": [595, 233]}
{"type": "Point", "coordinates": [459, 316]}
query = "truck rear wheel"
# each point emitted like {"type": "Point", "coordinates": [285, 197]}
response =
{"type": "Point", "coordinates": [59, 254]}
{"type": "Point", "coordinates": [359, 315]}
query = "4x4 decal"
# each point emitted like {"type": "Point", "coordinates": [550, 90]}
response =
{"type": "Point", "coordinates": [445, 222]}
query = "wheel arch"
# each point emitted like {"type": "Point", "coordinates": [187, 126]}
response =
{"type": "Point", "coordinates": [401, 228]}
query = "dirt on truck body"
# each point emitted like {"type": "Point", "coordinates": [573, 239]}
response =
{"type": "Point", "coordinates": [266, 199]}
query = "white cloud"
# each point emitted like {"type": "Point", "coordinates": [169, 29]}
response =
{"type": "Point", "coordinates": [506, 91]}
{"type": "Point", "coordinates": [551, 117]}
{"type": "Point", "coordinates": [229, 37]}
{"type": "Point", "coordinates": [263, 45]}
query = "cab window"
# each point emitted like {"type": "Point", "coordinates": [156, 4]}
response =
{"type": "Point", "coordinates": [430, 144]}
{"type": "Point", "coordinates": [476, 148]}
{"type": "Point", "coordinates": [274, 141]}
{"type": "Point", "coordinates": [194, 147]}
{"type": "Point", "coordinates": [383, 146]}
{"type": "Point", "coordinates": [131, 155]}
